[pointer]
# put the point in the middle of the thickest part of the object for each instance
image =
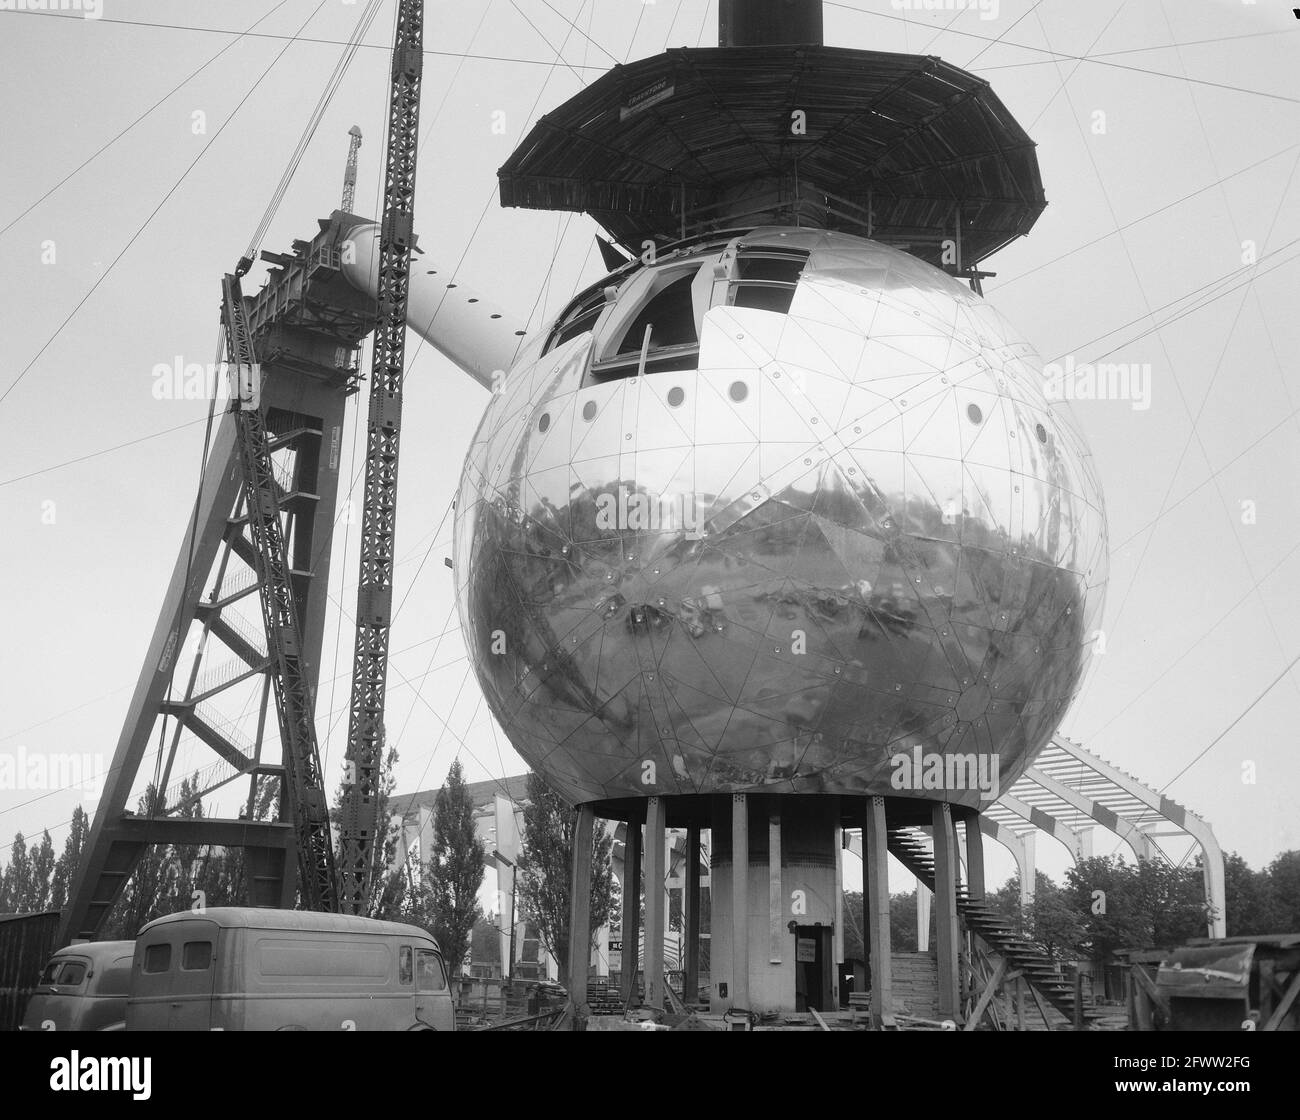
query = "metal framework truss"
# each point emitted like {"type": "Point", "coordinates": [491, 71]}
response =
{"type": "Point", "coordinates": [1069, 791]}
{"type": "Point", "coordinates": [357, 828]}
{"type": "Point", "coordinates": [304, 783]}
{"type": "Point", "coordinates": [197, 722]}
{"type": "Point", "coordinates": [1066, 794]}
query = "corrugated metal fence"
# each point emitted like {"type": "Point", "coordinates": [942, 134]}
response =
{"type": "Point", "coordinates": [26, 942]}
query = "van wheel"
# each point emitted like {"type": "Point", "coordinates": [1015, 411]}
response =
{"type": "Point", "coordinates": [420, 1027]}
{"type": "Point", "coordinates": [294, 1027]}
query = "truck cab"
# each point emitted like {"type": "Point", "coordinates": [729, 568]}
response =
{"type": "Point", "coordinates": [82, 988]}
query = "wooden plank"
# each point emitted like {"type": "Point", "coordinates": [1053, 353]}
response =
{"type": "Point", "coordinates": [1149, 988]}
{"type": "Point", "coordinates": [1292, 990]}
{"type": "Point", "coordinates": [987, 995]}
{"type": "Point", "coordinates": [1042, 1007]}
{"type": "Point", "coordinates": [817, 1018]}
{"type": "Point", "coordinates": [1266, 982]}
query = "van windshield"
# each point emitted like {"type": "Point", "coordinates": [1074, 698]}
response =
{"type": "Point", "coordinates": [64, 972]}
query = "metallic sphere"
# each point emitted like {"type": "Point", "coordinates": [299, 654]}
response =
{"type": "Point", "coordinates": [772, 514]}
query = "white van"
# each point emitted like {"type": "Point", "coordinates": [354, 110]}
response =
{"type": "Point", "coordinates": [246, 969]}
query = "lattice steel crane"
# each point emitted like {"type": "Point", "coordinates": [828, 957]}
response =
{"type": "Point", "coordinates": [304, 328]}
{"type": "Point", "coordinates": [347, 887]}
{"type": "Point", "coordinates": [350, 171]}
{"type": "Point", "coordinates": [357, 828]}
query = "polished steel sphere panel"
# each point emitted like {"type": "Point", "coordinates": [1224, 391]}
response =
{"type": "Point", "coordinates": [854, 530]}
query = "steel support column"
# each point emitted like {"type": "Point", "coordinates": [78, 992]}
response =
{"type": "Point", "coordinates": [631, 910]}
{"type": "Point", "coordinates": [739, 991]}
{"type": "Point", "coordinates": [875, 855]}
{"type": "Point", "coordinates": [975, 887]}
{"type": "Point", "coordinates": [654, 902]}
{"type": "Point", "coordinates": [580, 913]}
{"type": "Point", "coordinates": [691, 902]}
{"type": "Point", "coordinates": [945, 907]}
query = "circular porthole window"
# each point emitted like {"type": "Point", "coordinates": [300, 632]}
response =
{"type": "Point", "coordinates": [1042, 433]}
{"type": "Point", "coordinates": [973, 411]}
{"type": "Point", "coordinates": [738, 391]}
{"type": "Point", "coordinates": [676, 395]}
{"type": "Point", "coordinates": [589, 410]}
{"type": "Point", "coordinates": [544, 422]}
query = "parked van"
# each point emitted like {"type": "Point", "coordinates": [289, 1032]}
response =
{"type": "Point", "coordinates": [83, 988]}
{"type": "Point", "coordinates": [245, 969]}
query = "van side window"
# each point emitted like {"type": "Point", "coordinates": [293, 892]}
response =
{"type": "Point", "coordinates": [430, 977]}
{"type": "Point", "coordinates": [196, 955]}
{"type": "Point", "coordinates": [404, 964]}
{"type": "Point", "coordinates": [157, 958]}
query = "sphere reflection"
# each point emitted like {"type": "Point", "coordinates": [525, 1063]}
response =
{"type": "Point", "coordinates": [770, 514]}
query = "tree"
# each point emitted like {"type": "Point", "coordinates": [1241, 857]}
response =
{"type": "Point", "coordinates": [1005, 902]}
{"type": "Point", "coordinates": [1126, 906]}
{"type": "Point", "coordinates": [388, 887]}
{"type": "Point", "coordinates": [456, 868]}
{"type": "Point", "coordinates": [15, 887]}
{"type": "Point", "coordinates": [1249, 906]}
{"type": "Point", "coordinates": [854, 942]}
{"type": "Point", "coordinates": [142, 899]}
{"type": "Point", "coordinates": [546, 864]}
{"type": "Point", "coordinates": [1284, 884]}
{"type": "Point", "coordinates": [42, 872]}
{"type": "Point", "coordinates": [1053, 919]}
{"type": "Point", "coordinates": [65, 868]}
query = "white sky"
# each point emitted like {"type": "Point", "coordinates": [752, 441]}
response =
{"type": "Point", "coordinates": [1202, 611]}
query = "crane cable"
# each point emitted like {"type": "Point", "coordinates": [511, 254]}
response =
{"type": "Point", "coordinates": [313, 122]}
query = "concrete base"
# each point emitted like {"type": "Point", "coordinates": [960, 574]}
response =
{"type": "Point", "coordinates": [791, 904]}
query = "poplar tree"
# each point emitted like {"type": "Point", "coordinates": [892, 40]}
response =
{"type": "Point", "coordinates": [455, 868]}
{"type": "Point", "coordinates": [546, 865]}
{"type": "Point", "coordinates": [65, 868]}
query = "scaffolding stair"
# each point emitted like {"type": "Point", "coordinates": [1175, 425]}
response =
{"type": "Point", "coordinates": [912, 851]}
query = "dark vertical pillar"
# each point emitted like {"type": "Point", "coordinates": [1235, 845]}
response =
{"type": "Point", "coordinates": [945, 909]}
{"type": "Point", "coordinates": [875, 856]}
{"type": "Point", "coordinates": [580, 912]}
{"type": "Point", "coordinates": [750, 23]}
{"type": "Point", "coordinates": [974, 856]}
{"type": "Point", "coordinates": [740, 900]}
{"type": "Point", "coordinates": [691, 902]}
{"type": "Point", "coordinates": [631, 908]}
{"type": "Point", "coordinates": [654, 903]}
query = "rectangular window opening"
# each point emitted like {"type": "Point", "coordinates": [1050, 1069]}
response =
{"type": "Point", "coordinates": [157, 958]}
{"type": "Point", "coordinates": [196, 955]}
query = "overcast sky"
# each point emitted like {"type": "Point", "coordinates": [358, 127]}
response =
{"type": "Point", "coordinates": [1139, 258]}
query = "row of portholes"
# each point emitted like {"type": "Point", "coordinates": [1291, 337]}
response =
{"type": "Point", "coordinates": [473, 299]}
{"type": "Point", "coordinates": [976, 416]}
{"type": "Point", "coordinates": [738, 392]}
